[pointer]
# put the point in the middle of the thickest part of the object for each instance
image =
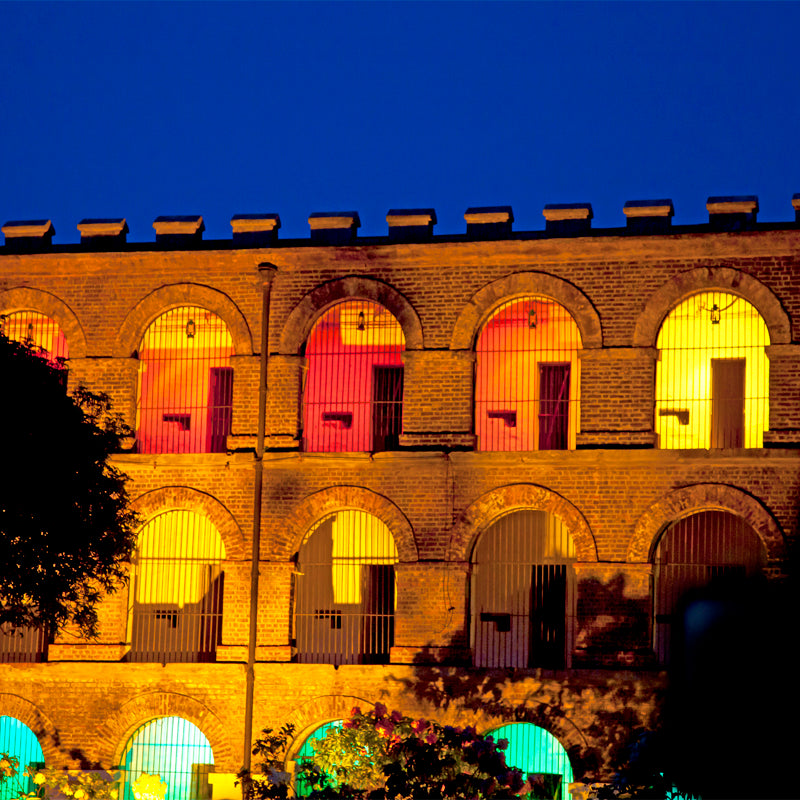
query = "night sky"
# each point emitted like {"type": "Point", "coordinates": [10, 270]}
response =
{"type": "Point", "coordinates": [137, 110]}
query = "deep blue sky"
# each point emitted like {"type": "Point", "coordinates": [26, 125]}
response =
{"type": "Point", "coordinates": [136, 110]}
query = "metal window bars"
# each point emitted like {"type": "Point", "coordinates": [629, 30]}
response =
{"type": "Point", "coordinates": [712, 374]}
{"type": "Point", "coordinates": [20, 645]}
{"type": "Point", "coordinates": [704, 548]}
{"type": "Point", "coordinates": [17, 739]}
{"type": "Point", "coordinates": [185, 392]}
{"type": "Point", "coordinates": [177, 589]}
{"type": "Point", "coordinates": [353, 393]}
{"type": "Point", "coordinates": [522, 593]}
{"type": "Point", "coordinates": [527, 377]}
{"type": "Point", "coordinates": [345, 591]}
{"type": "Point", "coordinates": [535, 750]}
{"type": "Point", "coordinates": [41, 333]}
{"type": "Point", "coordinates": [168, 758]}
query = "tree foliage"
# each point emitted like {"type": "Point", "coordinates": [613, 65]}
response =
{"type": "Point", "coordinates": [65, 524]}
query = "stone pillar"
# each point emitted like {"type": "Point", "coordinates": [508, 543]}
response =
{"type": "Point", "coordinates": [430, 623]}
{"type": "Point", "coordinates": [616, 397]}
{"type": "Point", "coordinates": [614, 606]}
{"type": "Point", "coordinates": [437, 398]}
{"type": "Point", "coordinates": [784, 396]}
{"type": "Point", "coordinates": [244, 424]}
{"type": "Point", "coordinates": [284, 397]}
{"type": "Point", "coordinates": [275, 600]}
{"type": "Point", "coordinates": [118, 377]}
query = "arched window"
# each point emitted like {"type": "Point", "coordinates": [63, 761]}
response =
{"type": "Point", "coordinates": [712, 375]}
{"type": "Point", "coordinates": [168, 758]}
{"type": "Point", "coordinates": [302, 788]}
{"type": "Point", "coordinates": [523, 592]}
{"type": "Point", "coordinates": [176, 589]}
{"type": "Point", "coordinates": [535, 750]}
{"type": "Point", "coordinates": [693, 553]}
{"type": "Point", "coordinates": [345, 591]}
{"type": "Point", "coordinates": [526, 380]}
{"type": "Point", "coordinates": [353, 395]}
{"type": "Point", "coordinates": [185, 384]}
{"type": "Point", "coordinates": [18, 740]}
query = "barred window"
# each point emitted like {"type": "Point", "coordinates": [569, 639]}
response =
{"type": "Point", "coordinates": [18, 645]}
{"type": "Point", "coordinates": [523, 592]}
{"type": "Point", "coordinates": [177, 589]}
{"type": "Point", "coordinates": [168, 758]}
{"type": "Point", "coordinates": [185, 384]}
{"type": "Point", "coordinates": [712, 375]}
{"type": "Point", "coordinates": [345, 591]}
{"type": "Point", "coordinates": [535, 750]}
{"type": "Point", "coordinates": [695, 552]}
{"type": "Point", "coordinates": [303, 788]}
{"type": "Point", "coordinates": [18, 740]}
{"type": "Point", "coordinates": [527, 378]}
{"type": "Point", "coordinates": [353, 394]}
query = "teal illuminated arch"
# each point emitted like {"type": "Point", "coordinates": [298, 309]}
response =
{"type": "Point", "coordinates": [535, 750]}
{"type": "Point", "coordinates": [303, 789]}
{"type": "Point", "coordinates": [176, 751]}
{"type": "Point", "coordinates": [18, 740]}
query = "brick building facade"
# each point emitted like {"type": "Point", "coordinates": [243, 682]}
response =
{"type": "Point", "coordinates": [585, 504]}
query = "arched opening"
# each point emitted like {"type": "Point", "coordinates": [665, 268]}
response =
{"type": "Point", "coordinates": [535, 750]}
{"type": "Point", "coordinates": [185, 391]}
{"type": "Point", "coordinates": [353, 393]}
{"type": "Point", "coordinates": [177, 589]}
{"type": "Point", "coordinates": [527, 377]}
{"type": "Point", "coordinates": [522, 593]}
{"type": "Point", "coordinates": [302, 787]}
{"type": "Point", "coordinates": [18, 740]}
{"type": "Point", "coordinates": [705, 549]}
{"type": "Point", "coordinates": [168, 758]}
{"type": "Point", "coordinates": [345, 591]}
{"type": "Point", "coordinates": [712, 375]}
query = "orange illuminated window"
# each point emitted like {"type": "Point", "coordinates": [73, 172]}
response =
{"type": "Point", "coordinates": [353, 394]}
{"type": "Point", "coordinates": [345, 591]}
{"type": "Point", "coordinates": [40, 333]}
{"type": "Point", "coordinates": [700, 550]}
{"type": "Point", "coordinates": [523, 592]}
{"type": "Point", "coordinates": [176, 589]}
{"type": "Point", "coordinates": [526, 380]}
{"type": "Point", "coordinates": [185, 384]}
{"type": "Point", "coordinates": [712, 375]}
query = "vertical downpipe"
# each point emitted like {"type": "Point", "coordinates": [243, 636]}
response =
{"type": "Point", "coordinates": [267, 273]}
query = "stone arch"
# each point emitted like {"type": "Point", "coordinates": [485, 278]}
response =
{"type": "Point", "coordinates": [168, 498]}
{"type": "Point", "coordinates": [552, 719]}
{"type": "Point", "coordinates": [337, 498]}
{"type": "Point", "coordinates": [12, 705]}
{"type": "Point", "coordinates": [117, 729]}
{"type": "Point", "coordinates": [517, 497]}
{"type": "Point", "coordinates": [24, 299]}
{"type": "Point", "coordinates": [482, 303]}
{"type": "Point", "coordinates": [313, 713]}
{"type": "Point", "coordinates": [703, 497]}
{"type": "Point", "coordinates": [681, 286]}
{"type": "Point", "coordinates": [302, 318]}
{"type": "Point", "coordinates": [182, 294]}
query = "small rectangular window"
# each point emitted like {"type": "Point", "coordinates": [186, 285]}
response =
{"type": "Point", "coordinates": [220, 408]}
{"type": "Point", "coordinates": [387, 407]}
{"type": "Point", "coordinates": [554, 406]}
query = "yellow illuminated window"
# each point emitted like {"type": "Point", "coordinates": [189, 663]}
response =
{"type": "Point", "coordinates": [712, 376]}
{"type": "Point", "coordinates": [345, 590]}
{"type": "Point", "coordinates": [185, 384]}
{"type": "Point", "coordinates": [176, 612]}
{"type": "Point", "coordinates": [526, 378]}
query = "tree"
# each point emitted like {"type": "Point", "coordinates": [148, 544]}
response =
{"type": "Point", "coordinates": [65, 525]}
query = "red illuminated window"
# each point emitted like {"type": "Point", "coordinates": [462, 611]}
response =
{"type": "Point", "coordinates": [526, 380]}
{"type": "Point", "coordinates": [185, 384]}
{"type": "Point", "coordinates": [345, 591]}
{"type": "Point", "coordinates": [523, 592]}
{"type": "Point", "coordinates": [353, 395]}
{"type": "Point", "coordinates": [177, 589]}
{"type": "Point", "coordinates": [695, 552]}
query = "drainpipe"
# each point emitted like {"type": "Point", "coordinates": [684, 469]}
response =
{"type": "Point", "coordinates": [267, 273]}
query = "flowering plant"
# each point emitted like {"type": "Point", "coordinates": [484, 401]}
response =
{"type": "Point", "coordinates": [388, 756]}
{"type": "Point", "coordinates": [49, 782]}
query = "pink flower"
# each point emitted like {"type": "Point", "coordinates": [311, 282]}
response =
{"type": "Point", "coordinates": [419, 725]}
{"type": "Point", "coordinates": [349, 724]}
{"type": "Point", "coordinates": [384, 728]}
{"type": "Point", "coordinates": [379, 710]}
{"type": "Point", "coordinates": [396, 716]}
{"type": "Point", "coordinates": [355, 711]}
{"type": "Point", "coordinates": [431, 738]}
